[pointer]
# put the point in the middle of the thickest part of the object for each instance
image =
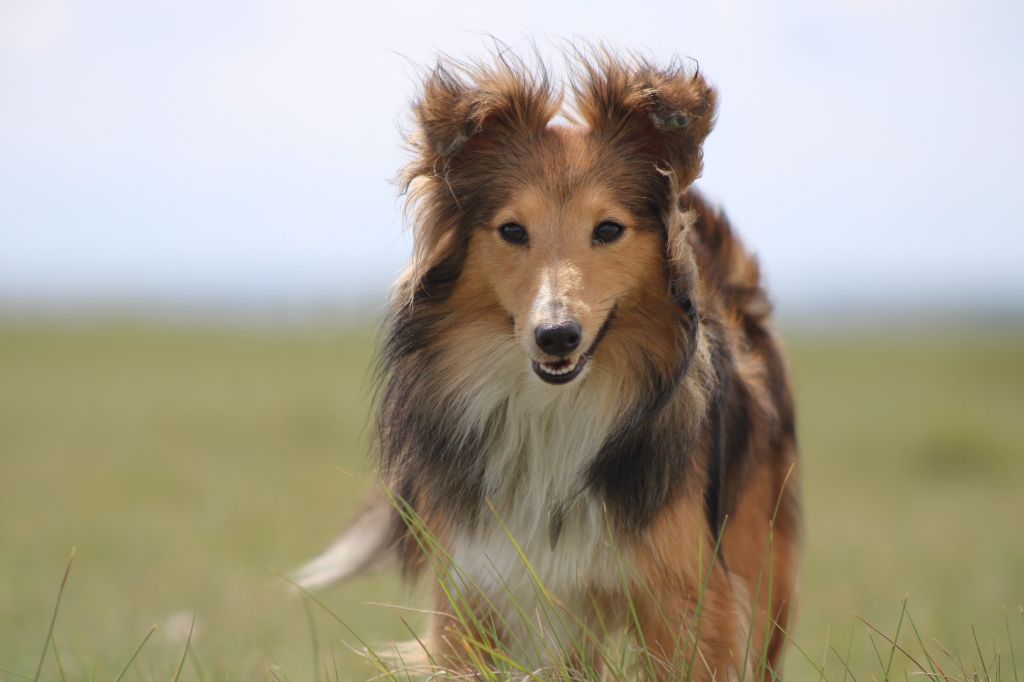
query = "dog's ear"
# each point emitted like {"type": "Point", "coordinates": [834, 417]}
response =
{"type": "Point", "coordinates": [462, 106]}
{"type": "Point", "coordinates": [660, 112]}
{"type": "Point", "coordinates": [470, 121]}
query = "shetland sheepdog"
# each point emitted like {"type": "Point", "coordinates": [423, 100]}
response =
{"type": "Point", "coordinates": [582, 399]}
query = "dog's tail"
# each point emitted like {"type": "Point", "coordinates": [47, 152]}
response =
{"type": "Point", "coordinates": [361, 547]}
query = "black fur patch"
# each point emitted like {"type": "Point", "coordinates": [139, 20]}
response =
{"type": "Point", "coordinates": [419, 437]}
{"type": "Point", "coordinates": [643, 461]}
{"type": "Point", "coordinates": [730, 434]}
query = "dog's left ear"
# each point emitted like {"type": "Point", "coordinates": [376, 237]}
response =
{"type": "Point", "coordinates": [663, 113]}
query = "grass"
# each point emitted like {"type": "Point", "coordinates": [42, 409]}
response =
{"type": "Point", "coordinates": [186, 465]}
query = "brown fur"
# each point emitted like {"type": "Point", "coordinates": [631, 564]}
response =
{"type": "Point", "coordinates": [674, 310]}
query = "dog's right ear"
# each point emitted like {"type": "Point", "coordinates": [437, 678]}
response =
{"type": "Point", "coordinates": [469, 121]}
{"type": "Point", "coordinates": [463, 107]}
{"type": "Point", "coordinates": [448, 113]}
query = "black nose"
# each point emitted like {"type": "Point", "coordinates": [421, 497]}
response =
{"type": "Point", "coordinates": [558, 339]}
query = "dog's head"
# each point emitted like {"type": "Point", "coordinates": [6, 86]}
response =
{"type": "Point", "coordinates": [557, 229]}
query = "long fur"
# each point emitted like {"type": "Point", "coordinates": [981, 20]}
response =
{"type": "Point", "coordinates": [682, 433]}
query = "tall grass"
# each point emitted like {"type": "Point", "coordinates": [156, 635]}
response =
{"type": "Point", "coordinates": [593, 654]}
{"type": "Point", "coordinates": [597, 653]}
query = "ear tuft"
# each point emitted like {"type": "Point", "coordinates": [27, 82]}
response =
{"type": "Point", "coordinates": [460, 102]}
{"type": "Point", "coordinates": [662, 112]}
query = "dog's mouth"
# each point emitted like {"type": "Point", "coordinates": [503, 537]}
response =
{"type": "Point", "coordinates": [564, 370]}
{"type": "Point", "coordinates": [561, 371]}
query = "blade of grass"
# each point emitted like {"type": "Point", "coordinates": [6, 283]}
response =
{"type": "Point", "coordinates": [634, 615]}
{"type": "Point", "coordinates": [56, 657]}
{"type": "Point", "coordinates": [699, 610]}
{"type": "Point", "coordinates": [193, 657]}
{"type": "Point", "coordinates": [533, 633]}
{"type": "Point", "coordinates": [936, 669]}
{"type": "Point", "coordinates": [846, 665]}
{"type": "Point", "coordinates": [769, 620]}
{"type": "Point", "coordinates": [527, 565]}
{"type": "Point", "coordinates": [849, 650]}
{"type": "Point", "coordinates": [131, 660]}
{"type": "Point", "coordinates": [184, 654]}
{"type": "Point", "coordinates": [497, 654]}
{"type": "Point", "coordinates": [748, 645]}
{"type": "Point", "coordinates": [604, 644]}
{"type": "Point", "coordinates": [337, 675]}
{"type": "Point", "coordinates": [441, 563]}
{"type": "Point", "coordinates": [275, 667]}
{"type": "Point", "coordinates": [894, 644]}
{"type": "Point", "coordinates": [776, 674]}
{"type": "Point", "coordinates": [370, 653]}
{"type": "Point", "coordinates": [423, 647]}
{"type": "Point", "coordinates": [981, 657]}
{"type": "Point", "coordinates": [896, 637]}
{"type": "Point", "coordinates": [765, 560]}
{"type": "Point", "coordinates": [824, 656]}
{"type": "Point", "coordinates": [878, 654]}
{"type": "Point", "coordinates": [807, 657]}
{"type": "Point", "coordinates": [313, 639]}
{"type": "Point", "coordinates": [482, 669]}
{"type": "Point", "coordinates": [954, 659]}
{"type": "Point", "coordinates": [53, 617]}
{"type": "Point", "coordinates": [557, 609]}
{"type": "Point", "coordinates": [1009, 638]}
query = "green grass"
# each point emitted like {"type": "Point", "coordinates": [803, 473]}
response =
{"type": "Point", "coordinates": [186, 465]}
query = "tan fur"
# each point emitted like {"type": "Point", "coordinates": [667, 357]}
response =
{"type": "Point", "coordinates": [668, 599]}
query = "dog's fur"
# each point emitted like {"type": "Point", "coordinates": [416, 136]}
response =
{"type": "Point", "coordinates": [676, 435]}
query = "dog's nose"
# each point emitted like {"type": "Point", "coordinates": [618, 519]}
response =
{"type": "Point", "coordinates": [558, 339]}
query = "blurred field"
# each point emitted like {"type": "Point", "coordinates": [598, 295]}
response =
{"type": "Point", "coordinates": [186, 464]}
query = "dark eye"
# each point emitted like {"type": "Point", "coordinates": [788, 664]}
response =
{"type": "Point", "coordinates": [607, 232]}
{"type": "Point", "coordinates": [513, 233]}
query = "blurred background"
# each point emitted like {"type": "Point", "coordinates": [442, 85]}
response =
{"type": "Point", "coordinates": [197, 234]}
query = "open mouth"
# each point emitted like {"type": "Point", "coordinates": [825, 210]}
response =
{"type": "Point", "coordinates": [560, 371]}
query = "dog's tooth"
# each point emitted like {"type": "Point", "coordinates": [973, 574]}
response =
{"type": "Point", "coordinates": [559, 367]}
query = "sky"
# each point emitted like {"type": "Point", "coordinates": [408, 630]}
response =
{"type": "Point", "coordinates": [242, 153]}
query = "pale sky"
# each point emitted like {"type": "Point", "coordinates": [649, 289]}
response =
{"type": "Point", "coordinates": [185, 151]}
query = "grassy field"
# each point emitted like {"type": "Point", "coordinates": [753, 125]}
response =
{"type": "Point", "coordinates": [187, 465]}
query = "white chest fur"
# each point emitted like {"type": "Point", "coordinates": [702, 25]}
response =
{"type": "Point", "coordinates": [541, 440]}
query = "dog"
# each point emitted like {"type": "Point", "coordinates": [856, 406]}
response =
{"type": "Point", "coordinates": [582, 401]}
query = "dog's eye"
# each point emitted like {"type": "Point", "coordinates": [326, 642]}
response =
{"type": "Point", "coordinates": [607, 232]}
{"type": "Point", "coordinates": [513, 233]}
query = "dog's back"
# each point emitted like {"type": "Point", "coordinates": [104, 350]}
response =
{"type": "Point", "coordinates": [760, 501]}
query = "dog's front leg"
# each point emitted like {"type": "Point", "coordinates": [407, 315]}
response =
{"type": "Point", "coordinates": [689, 621]}
{"type": "Point", "coordinates": [683, 638]}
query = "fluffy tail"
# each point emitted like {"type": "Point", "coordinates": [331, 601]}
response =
{"type": "Point", "coordinates": [361, 547]}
